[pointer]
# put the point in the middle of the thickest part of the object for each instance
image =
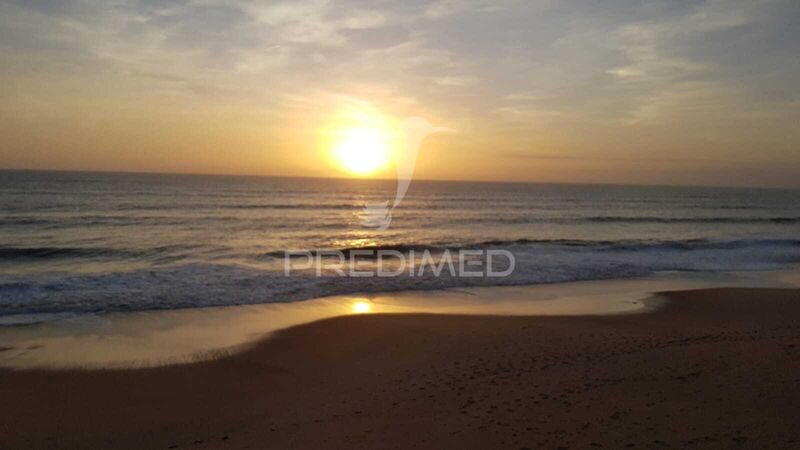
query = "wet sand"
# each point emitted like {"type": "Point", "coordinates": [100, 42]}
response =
{"type": "Point", "coordinates": [714, 368]}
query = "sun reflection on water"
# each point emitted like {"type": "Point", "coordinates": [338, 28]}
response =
{"type": "Point", "coordinates": [357, 239]}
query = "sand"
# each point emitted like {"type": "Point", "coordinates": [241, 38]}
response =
{"type": "Point", "coordinates": [715, 368]}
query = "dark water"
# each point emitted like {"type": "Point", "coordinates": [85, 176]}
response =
{"type": "Point", "coordinates": [93, 242]}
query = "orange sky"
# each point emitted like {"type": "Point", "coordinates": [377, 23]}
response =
{"type": "Point", "coordinates": [645, 92]}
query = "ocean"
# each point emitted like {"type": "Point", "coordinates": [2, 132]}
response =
{"type": "Point", "coordinates": [76, 243]}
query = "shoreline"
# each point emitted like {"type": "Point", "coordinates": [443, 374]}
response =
{"type": "Point", "coordinates": [713, 367]}
{"type": "Point", "coordinates": [183, 336]}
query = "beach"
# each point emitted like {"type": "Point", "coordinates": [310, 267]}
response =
{"type": "Point", "coordinates": [713, 368]}
{"type": "Point", "coordinates": [438, 224]}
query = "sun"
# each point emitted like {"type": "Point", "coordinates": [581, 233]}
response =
{"type": "Point", "coordinates": [359, 139]}
{"type": "Point", "coordinates": [361, 150]}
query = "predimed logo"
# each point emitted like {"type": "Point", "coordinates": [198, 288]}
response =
{"type": "Point", "coordinates": [412, 132]}
{"type": "Point", "coordinates": [385, 262]}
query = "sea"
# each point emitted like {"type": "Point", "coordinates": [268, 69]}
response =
{"type": "Point", "coordinates": [74, 243]}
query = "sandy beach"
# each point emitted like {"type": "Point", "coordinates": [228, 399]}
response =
{"type": "Point", "coordinates": [713, 368]}
{"type": "Point", "coordinates": [438, 224]}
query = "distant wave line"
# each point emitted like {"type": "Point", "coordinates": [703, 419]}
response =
{"type": "Point", "coordinates": [620, 245]}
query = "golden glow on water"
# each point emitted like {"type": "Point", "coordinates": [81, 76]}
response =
{"type": "Point", "coordinates": [361, 307]}
{"type": "Point", "coordinates": [357, 239]}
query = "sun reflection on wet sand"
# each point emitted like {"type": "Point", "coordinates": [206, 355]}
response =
{"type": "Point", "coordinates": [361, 307]}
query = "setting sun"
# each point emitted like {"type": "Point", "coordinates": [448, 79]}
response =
{"type": "Point", "coordinates": [362, 150]}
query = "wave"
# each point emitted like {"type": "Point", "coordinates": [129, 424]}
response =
{"type": "Point", "coordinates": [177, 252]}
{"type": "Point", "coordinates": [187, 285]}
{"type": "Point", "coordinates": [645, 244]}
{"type": "Point", "coordinates": [415, 216]}
{"type": "Point", "coordinates": [57, 252]}
{"type": "Point", "coordinates": [621, 245]}
{"type": "Point", "coordinates": [731, 220]}
{"type": "Point", "coordinates": [347, 251]}
{"type": "Point", "coordinates": [243, 206]}
{"type": "Point", "coordinates": [23, 221]}
{"type": "Point", "coordinates": [42, 253]}
{"type": "Point", "coordinates": [594, 220]}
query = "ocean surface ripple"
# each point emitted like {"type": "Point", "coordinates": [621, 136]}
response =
{"type": "Point", "coordinates": [79, 243]}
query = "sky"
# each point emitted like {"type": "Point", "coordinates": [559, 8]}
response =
{"type": "Point", "coordinates": [655, 92]}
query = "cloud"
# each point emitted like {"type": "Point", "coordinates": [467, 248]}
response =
{"type": "Point", "coordinates": [713, 73]}
{"type": "Point", "coordinates": [361, 20]}
{"type": "Point", "coordinates": [456, 80]}
{"type": "Point", "coordinates": [641, 159]}
{"type": "Point", "coordinates": [443, 8]}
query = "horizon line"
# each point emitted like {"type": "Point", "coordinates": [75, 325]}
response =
{"type": "Point", "coordinates": [568, 183]}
